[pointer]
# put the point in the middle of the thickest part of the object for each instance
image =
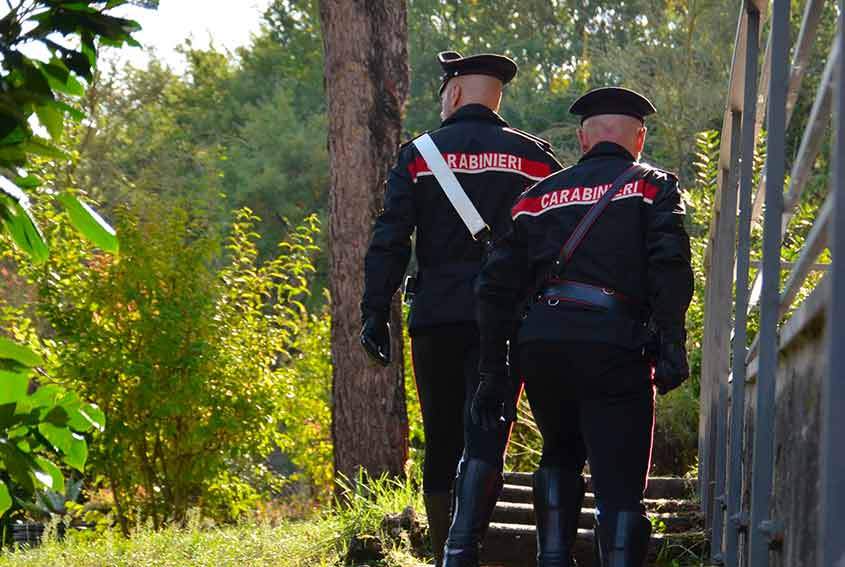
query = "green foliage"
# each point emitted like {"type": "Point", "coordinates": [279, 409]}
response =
{"type": "Point", "coordinates": [306, 406]}
{"type": "Point", "coordinates": [32, 88]}
{"type": "Point", "coordinates": [526, 445]}
{"type": "Point", "coordinates": [50, 421]}
{"type": "Point", "coordinates": [39, 428]}
{"type": "Point", "coordinates": [311, 543]}
{"type": "Point", "coordinates": [183, 347]}
{"type": "Point", "coordinates": [416, 433]}
{"type": "Point", "coordinates": [321, 540]}
{"type": "Point", "coordinates": [364, 505]}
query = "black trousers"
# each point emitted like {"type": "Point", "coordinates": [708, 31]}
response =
{"type": "Point", "coordinates": [593, 401]}
{"type": "Point", "coordinates": [445, 361]}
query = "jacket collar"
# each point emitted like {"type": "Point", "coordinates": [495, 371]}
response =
{"type": "Point", "coordinates": [474, 112]}
{"type": "Point", "coordinates": [607, 149]}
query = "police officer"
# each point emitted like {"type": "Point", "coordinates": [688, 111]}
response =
{"type": "Point", "coordinates": [493, 163]}
{"type": "Point", "coordinates": [580, 346]}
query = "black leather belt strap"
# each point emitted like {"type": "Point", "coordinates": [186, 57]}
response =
{"type": "Point", "coordinates": [591, 296]}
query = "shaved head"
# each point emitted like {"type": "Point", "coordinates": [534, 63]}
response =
{"type": "Point", "coordinates": [470, 89]}
{"type": "Point", "coordinates": [627, 131]}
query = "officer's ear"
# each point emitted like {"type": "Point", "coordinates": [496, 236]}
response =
{"type": "Point", "coordinates": [456, 94]}
{"type": "Point", "coordinates": [641, 139]}
{"type": "Point", "coordinates": [583, 140]}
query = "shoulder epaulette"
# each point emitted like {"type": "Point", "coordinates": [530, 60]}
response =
{"type": "Point", "coordinates": [405, 144]}
{"type": "Point", "coordinates": [660, 174]}
{"type": "Point", "coordinates": [543, 143]}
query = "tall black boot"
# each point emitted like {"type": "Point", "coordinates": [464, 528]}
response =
{"type": "Point", "coordinates": [623, 538]}
{"type": "Point", "coordinates": [477, 488]}
{"type": "Point", "coordinates": [437, 509]}
{"type": "Point", "coordinates": [558, 496]}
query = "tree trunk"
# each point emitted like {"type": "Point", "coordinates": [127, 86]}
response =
{"type": "Point", "coordinates": [366, 74]}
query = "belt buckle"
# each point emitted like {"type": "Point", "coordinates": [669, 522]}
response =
{"type": "Point", "coordinates": [608, 291]}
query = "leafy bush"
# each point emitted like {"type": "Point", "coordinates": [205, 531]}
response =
{"type": "Point", "coordinates": [306, 386]}
{"type": "Point", "coordinates": [51, 419]}
{"type": "Point", "coordinates": [31, 88]}
{"type": "Point", "coordinates": [39, 426]}
{"type": "Point", "coordinates": [183, 348]}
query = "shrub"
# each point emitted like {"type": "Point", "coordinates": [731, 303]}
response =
{"type": "Point", "coordinates": [306, 386]}
{"type": "Point", "coordinates": [183, 348]}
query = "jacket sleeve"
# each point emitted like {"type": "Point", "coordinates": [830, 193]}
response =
{"type": "Point", "coordinates": [390, 249]}
{"type": "Point", "coordinates": [670, 277]}
{"type": "Point", "coordinates": [504, 277]}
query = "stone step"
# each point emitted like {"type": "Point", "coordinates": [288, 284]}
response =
{"type": "Point", "coordinates": [514, 545]}
{"type": "Point", "coordinates": [670, 522]}
{"type": "Point", "coordinates": [670, 487]}
{"type": "Point", "coordinates": [523, 495]}
{"type": "Point", "coordinates": [653, 506]}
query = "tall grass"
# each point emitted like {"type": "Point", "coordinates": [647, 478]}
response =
{"type": "Point", "coordinates": [317, 542]}
{"type": "Point", "coordinates": [294, 544]}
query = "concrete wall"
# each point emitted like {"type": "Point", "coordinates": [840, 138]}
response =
{"type": "Point", "coordinates": [795, 499]}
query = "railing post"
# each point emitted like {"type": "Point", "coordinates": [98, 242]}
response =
{"type": "Point", "coordinates": [729, 198]}
{"type": "Point", "coordinates": [762, 464]}
{"type": "Point", "coordinates": [733, 496]}
{"type": "Point", "coordinates": [831, 544]}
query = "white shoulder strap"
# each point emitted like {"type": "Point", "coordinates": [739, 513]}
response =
{"type": "Point", "coordinates": [451, 186]}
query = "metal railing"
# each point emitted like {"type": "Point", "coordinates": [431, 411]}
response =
{"type": "Point", "coordinates": [756, 92]}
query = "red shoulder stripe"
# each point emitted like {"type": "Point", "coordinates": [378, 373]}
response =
{"type": "Point", "coordinates": [570, 196]}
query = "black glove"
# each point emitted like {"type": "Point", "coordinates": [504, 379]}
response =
{"type": "Point", "coordinates": [375, 338]}
{"type": "Point", "coordinates": [671, 368]}
{"type": "Point", "coordinates": [494, 403]}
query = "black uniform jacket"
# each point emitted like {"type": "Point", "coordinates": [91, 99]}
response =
{"type": "Point", "coordinates": [638, 248]}
{"type": "Point", "coordinates": [494, 164]}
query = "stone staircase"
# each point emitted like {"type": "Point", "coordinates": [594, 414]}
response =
{"type": "Point", "coordinates": [511, 539]}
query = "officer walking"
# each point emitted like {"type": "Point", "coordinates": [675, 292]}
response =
{"type": "Point", "coordinates": [600, 248]}
{"type": "Point", "coordinates": [476, 154]}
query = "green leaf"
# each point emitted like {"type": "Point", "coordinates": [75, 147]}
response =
{"type": "Point", "coordinates": [18, 464]}
{"type": "Point", "coordinates": [28, 182]}
{"type": "Point", "coordinates": [10, 418]}
{"type": "Point", "coordinates": [85, 417]}
{"type": "Point", "coordinates": [90, 224]}
{"type": "Point", "coordinates": [8, 124]}
{"type": "Point", "coordinates": [57, 416]}
{"type": "Point", "coordinates": [78, 7]}
{"type": "Point", "coordinates": [59, 437]}
{"type": "Point", "coordinates": [13, 386]}
{"type": "Point", "coordinates": [46, 396]}
{"type": "Point", "coordinates": [22, 228]}
{"type": "Point", "coordinates": [52, 119]}
{"type": "Point", "coordinates": [41, 147]}
{"type": "Point", "coordinates": [19, 353]}
{"type": "Point", "coordinates": [60, 78]}
{"type": "Point", "coordinates": [18, 221]}
{"type": "Point", "coordinates": [79, 63]}
{"type": "Point", "coordinates": [78, 453]}
{"type": "Point", "coordinates": [74, 113]}
{"type": "Point", "coordinates": [49, 475]}
{"type": "Point", "coordinates": [5, 498]}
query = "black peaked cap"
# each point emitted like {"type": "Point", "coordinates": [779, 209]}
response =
{"type": "Point", "coordinates": [612, 100]}
{"type": "Point", "coordinates": [453, 64]}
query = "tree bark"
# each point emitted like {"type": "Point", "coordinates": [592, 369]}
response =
{"type": "Point", "coordinates": [366, 75]}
